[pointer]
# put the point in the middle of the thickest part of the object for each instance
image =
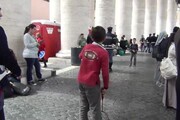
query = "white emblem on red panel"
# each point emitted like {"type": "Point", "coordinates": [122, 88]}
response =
{"type": "Point", "coordinates": [49, 30]}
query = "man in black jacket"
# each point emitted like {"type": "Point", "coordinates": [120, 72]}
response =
{"type": "Point", "coordinates": [110, 41]}
{"type": "Point", "coordinates": [7, 60]}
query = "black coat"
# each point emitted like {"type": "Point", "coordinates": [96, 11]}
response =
{"type": "Point", "coordinates": [177, 44]}
{"type": "Point", "coordinates": [6, 56]}
{"type": "Point", "coordinates": [110, 39]}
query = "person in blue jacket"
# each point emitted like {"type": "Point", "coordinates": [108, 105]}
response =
{"type": "Point", "coordinates": [7, 60]}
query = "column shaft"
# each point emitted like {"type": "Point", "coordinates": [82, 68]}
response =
{"type": "Point", "coordinates": [123, 18]}
{"type": "Point", "coordinates": [75, 20]}
{"type": "Point", "coordinates": [150, 17]}
{"type": "Point", "coordinates": [54, 8]}
{"type": "Point", "coordinates": [138, 14]}
{"type": "Point", "coordinates": [171, 16]}
{"type": "Point", "coordinates": [105, 13]}
{"type": "Point", "coordinates": [161, 16]}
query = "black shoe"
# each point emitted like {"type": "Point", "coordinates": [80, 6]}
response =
{"type": "Point", "coordinates": [45, 66]}
{"type": "Point", "coordinates": [32, 83]}
{"type": "Point", "coordinates": [42, 79]}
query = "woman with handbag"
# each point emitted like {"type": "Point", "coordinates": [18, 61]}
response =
{"type": "Point", "coordinates": [169, 96]}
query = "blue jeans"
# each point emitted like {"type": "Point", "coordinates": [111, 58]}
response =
{"type": "Point", "coordinates": [30, 63]}
{"type": "Point", "coordinates": [90, 99]}
{"type": "Point", "coordinates": [2, 117]}
{"type": "Point", "coordinates": [133, 55]}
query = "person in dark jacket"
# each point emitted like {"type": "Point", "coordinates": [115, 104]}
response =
{"type": "Point", "coordinates": [177, 45]}
{"type": "Point", "coordinates": [89, 37]}
{"type": "Point", "coordinates": [161, 42]}
{"type": "Point", "coordinates": [148, 39]}
{"type": "Point", "coordinates": [133, 49]}
{"type": "Point", "coordinates": [8, 61]}
{"type": "Point", "coordinates": [109, 42]}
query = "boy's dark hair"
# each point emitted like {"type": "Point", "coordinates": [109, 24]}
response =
{"type": "Point", "coordinates": [98, 34]}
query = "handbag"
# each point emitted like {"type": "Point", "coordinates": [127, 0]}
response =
{"type": "Point", "coordinates": [168, 69]}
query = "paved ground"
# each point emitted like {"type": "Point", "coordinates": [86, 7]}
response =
{"type": "Point", "coordinates": [132, 95]}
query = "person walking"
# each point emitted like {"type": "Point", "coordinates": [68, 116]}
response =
{"type": "Point", "coordinates": [94, 58]}
{"type": "Point", "coordinates": [30, 54]}
{"type": "Point", "coordinates": [8, 61]}
{"type": "Point", "coordinates": [133, 49]}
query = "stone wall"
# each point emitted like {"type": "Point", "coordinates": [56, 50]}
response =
{"type": "Point", "coordinates": [16, 16]}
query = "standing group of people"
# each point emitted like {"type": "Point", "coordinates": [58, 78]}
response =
{"type": "Point", "coordinates": [146, 45]}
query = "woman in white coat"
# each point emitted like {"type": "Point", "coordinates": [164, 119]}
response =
{"type": "Point", "coordinates": [169, 96]}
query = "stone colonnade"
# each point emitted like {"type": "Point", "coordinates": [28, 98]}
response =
{"type": "Point", "coordinates": [132, 18]}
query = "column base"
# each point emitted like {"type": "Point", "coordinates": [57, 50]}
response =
{"type": "Point", "coordinates": [64, 54]}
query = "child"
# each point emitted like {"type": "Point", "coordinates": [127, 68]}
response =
{"type": "Point", "coordinates": [133, 50]}
{"type": "Point", "coordinates": [41, 47]}
{"type": "Point", "coordinates": [93, 59]}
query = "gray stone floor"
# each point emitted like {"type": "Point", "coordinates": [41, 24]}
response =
{"type": "Point", "coordinates": [132, 95]}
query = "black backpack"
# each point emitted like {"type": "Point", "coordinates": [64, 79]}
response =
{"type": "Point", "coordinates": [156, 52]}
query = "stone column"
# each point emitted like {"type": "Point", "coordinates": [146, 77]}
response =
{"type": "Point", "coordinates": [105, 13]}
{"type": "Point", "coordinates": [138, 14]}
{"type": "Point", "coordinates": [91, 12]}
{"type": "Point", "coordinates": [178, 17]}
{"type": "Point", "coordinates": [171, 16]}
{"type": "Point", "coordinates": [75, 20]}
{"type": "Point", "coordinates": [54, 10]}
{"type": "Point", "coordinates": [161, 16]}
{"type": "Point", "coordinates": [123, 18]}
{"type": "Point", "coordinates": [150, 17]}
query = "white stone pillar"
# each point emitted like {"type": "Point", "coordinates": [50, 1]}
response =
{"type": "Point", "coordinates": [75, 20]}
{"type": "Point", "coordinates": [123, 18]}
{"type": "Point", "coordinates": [150, 17]}
{"type": "Point", "coordinates": [138, 14]}
{"type": "Point", "coordinates": [171, 16]}
{"type": "Point", "coordinates": [161, 16]}
{"type": "Point", "coordinates": [178, 18]}
{"type": "Point", "coordinates": [91, 12]}
{"type": "Point", "coordinates": [54, 10]}
{"type": "Point", "coordinates": [105, 13]}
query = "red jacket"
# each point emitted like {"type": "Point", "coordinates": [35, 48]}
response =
{"type": "Point", "coordinates": [42, 44]}
{"type": "Point", "coordinates": [94, 58]}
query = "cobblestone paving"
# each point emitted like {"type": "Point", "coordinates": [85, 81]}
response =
{"type": "Point", "coordinates": [132, 95]}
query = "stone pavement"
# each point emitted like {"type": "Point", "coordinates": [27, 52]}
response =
{"type": "Point", "coordinates": [132, 95]}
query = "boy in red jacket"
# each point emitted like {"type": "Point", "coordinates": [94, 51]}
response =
{"type": "Point", "coordinates": [94, 58]}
